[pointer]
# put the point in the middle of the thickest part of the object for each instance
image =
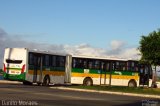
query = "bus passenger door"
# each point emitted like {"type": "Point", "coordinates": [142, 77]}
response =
{"type": "Point", "coordinates": [37, 72]}
{"type": "Point", "coordinates": [103, 73]}
{"type": "Point", "coordinates": [144, 75]}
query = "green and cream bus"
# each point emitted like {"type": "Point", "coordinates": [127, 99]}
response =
{"type": "Point", "coordinates": [105, 71]}
{"type": "Point", "coordinates": [33, 66]}
{"type": "Point", "coordinates": [41, 67]}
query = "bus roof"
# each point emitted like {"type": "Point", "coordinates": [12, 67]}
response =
{"type": "Point", "coordinates": [40, 51]}
{"type": "Point", "coordinates": [98, 57]}
{"type": "Point", "coordinates": [78, 56]}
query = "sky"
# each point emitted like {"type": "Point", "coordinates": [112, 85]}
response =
{"type": "Point", "coordinates": [83, 27]}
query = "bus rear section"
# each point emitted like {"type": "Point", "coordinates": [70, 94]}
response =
{"type": "Point", "coordinates": [116, 72]}
{"type": "Point", "coordinates": [14, 64]}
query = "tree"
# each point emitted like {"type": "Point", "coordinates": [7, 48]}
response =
{"type": "Point", "coordinates": [150, 48]}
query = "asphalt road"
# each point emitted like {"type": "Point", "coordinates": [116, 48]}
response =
{"type": "Point", "coordinates": [18, 94]}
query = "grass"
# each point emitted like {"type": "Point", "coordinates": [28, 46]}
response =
{"type": "Point", "coordinates": [138, 90]}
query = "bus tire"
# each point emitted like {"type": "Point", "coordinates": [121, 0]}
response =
{"type": "Point", "coordinates": [88, 81]}
{"type": "Point", "coordinates": [38, 83]}
{"type": "Point", "coordinates": [46, 80]}
{"type": "Point", "coordinates": [132, 83]}
{"type": "Point", "coordinates": [27, 83]}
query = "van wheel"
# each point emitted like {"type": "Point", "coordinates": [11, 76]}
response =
{"type": "Point", "coordinates": [46, 81]}
{"type": "Point", "coordinates": [88, 82]}
{"type": "Point", "coordinates": [132, 83]}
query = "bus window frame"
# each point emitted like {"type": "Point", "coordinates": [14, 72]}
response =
{"type": "Point", "coordinates": [10, 61]}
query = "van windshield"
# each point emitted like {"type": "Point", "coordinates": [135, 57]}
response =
{"type": "Point", "coordinates": [14, 61]}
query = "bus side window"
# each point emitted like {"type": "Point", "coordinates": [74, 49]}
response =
{"type": "Point", "coordinates": [141, 70]}
{"type": "Point", "coordinates": [117, 66]}
{"type": "Point", "coordinates": [53, 61]}
{"type": "Point", "coordinates": [80, 63]}
{"type": "Point", "coordinates": [46, 60]}
{"type": "Point", "coordinates": [60, 61]}
{"type": "Point", "coordinates": [103, 65]}
{"type": "Point", "coordinates": [113, 66]}
{"type": "Point", "coordinates": [97, 64]}
{"type": "Point", "coordinates": [85, 63]}
{"type": "Point", "coordinates": [122, 66]}
{"type": "Point", "coordinates": [130, 65]}
{"type": "Point", "coordinates": [108, 66]}
{"type": "Point", "coordinates": [74, 63]}
{"type": "Point", "coordinates": [57, 61]}
{"type": "Point", "coordinates": [77, 63]}
{"type": "Point", "coordinates": [90, 64]}
{"type": "Point", "coordinates": [136, 67]}
{"type": "Point", "coordinates": [31, 59]}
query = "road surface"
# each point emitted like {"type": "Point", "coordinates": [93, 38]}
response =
{"type": "Point", "coordinates": [18, 94]}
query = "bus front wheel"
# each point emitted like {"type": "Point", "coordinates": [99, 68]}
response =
{"type": "Point", "coordinates": [88, 82]}
{"type": "Point", "coordinates": [132, 83]}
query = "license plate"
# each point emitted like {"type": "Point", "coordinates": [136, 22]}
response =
{"type": "Point", "coordinates": [12, 72]}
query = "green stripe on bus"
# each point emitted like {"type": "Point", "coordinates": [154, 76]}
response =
{"type": "Point", "coordinates": [20, 77]}
{"type": "Point", "coordinates": [78, 70]}
{"type": "Point", "coordinates": [13, 68]}
{"type": "Point", "coordinates": [94, 71]}
{"type": "Point", "coordinates": [31, 67]}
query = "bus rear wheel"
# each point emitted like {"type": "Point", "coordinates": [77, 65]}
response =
{"type": "Point", "coordinates": [46, 81]}
{"type": "Point", "coordinates": [132, 83]}
{"type": "Point", "coordinates": [27, 83]}
{"type": "Point", "coordinates": [38, 83]}
{"type": "Point", "coordinates": [88, 82]}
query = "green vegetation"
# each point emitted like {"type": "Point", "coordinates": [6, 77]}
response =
{"type": "Point", "coordinates": [138, 90]}
{"type": "Point", "coordinates": [1, 71]}
{"type": "Point", "coordinates": [150, 49]}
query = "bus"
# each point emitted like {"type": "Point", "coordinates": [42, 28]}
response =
{"type": "Point", "coordinates": [44, 68]}
{"type": "Point", "coordinates": [110, 71]}
{"type": "Point", "coordinates": [33, 66]}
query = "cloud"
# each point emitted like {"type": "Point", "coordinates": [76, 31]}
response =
{"type": "Point", "coordinates": [117, 48]}
{"type": "Point", "coordinates": [115, 44]}
{"type": "Point", "coordinates": [130, 53]}
{"type": "Point", "coordinates": [84, 49]}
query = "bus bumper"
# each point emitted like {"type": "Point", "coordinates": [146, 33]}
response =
{"type": "Point", "coordinates": [13, 77]}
